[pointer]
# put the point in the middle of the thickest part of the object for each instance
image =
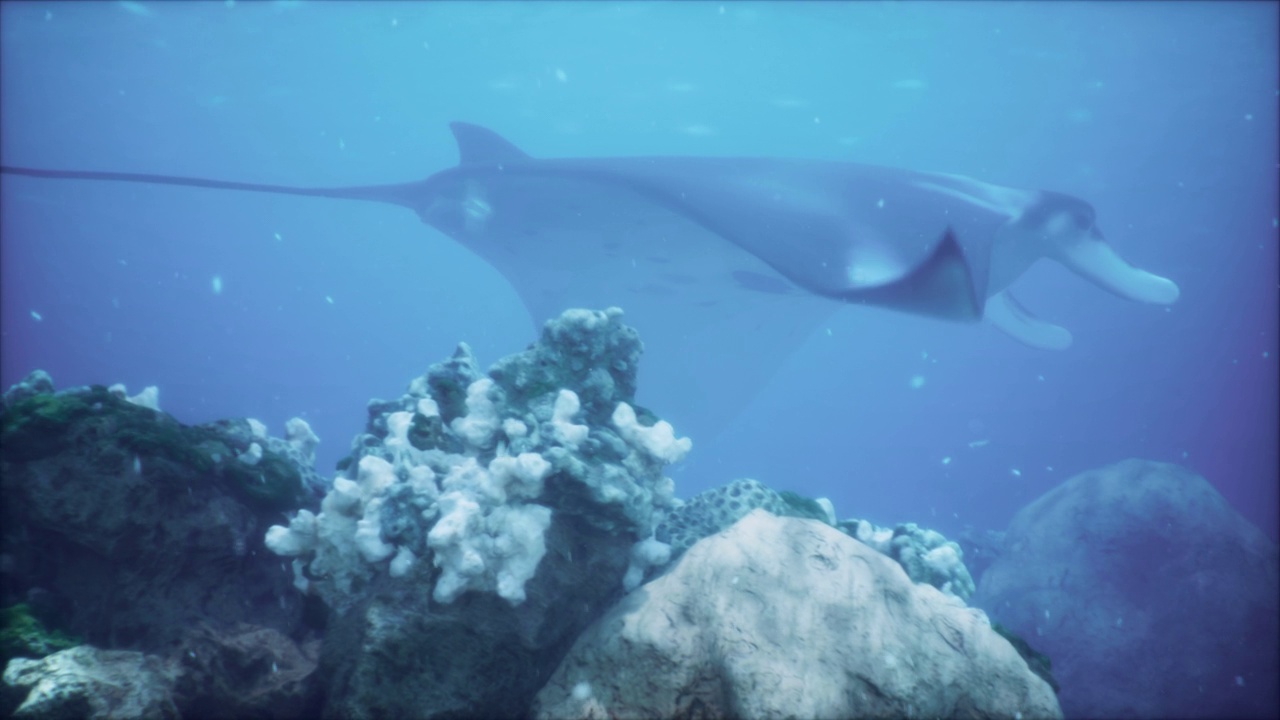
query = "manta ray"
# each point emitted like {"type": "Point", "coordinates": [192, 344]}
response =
{"type": "Point", "coordinates": [736, 260]}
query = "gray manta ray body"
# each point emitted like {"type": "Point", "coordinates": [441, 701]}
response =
{"type": "Point", "coordinates": [927, 243]}
{"type": "Point", "coordinates": [741, 258]}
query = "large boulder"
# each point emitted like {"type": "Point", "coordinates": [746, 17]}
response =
{"type": "Point", "coordinates": [1149, 593]}
{"type": "Point", "coordinates": [788, 617]}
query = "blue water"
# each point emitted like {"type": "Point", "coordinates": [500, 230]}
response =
{"type": "Point", "coordinates": [1163, 115]}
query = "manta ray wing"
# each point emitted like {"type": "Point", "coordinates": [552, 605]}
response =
{"type": "Point", "coordinates": [724, 265]}
{"type": "Point", "coordinates": [821, 226]}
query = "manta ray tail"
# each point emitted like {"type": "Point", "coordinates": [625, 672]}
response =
{"type": "Point", "coordinates": [403, 194]}
{"type": "Point", "coordinates": [1009, 316]}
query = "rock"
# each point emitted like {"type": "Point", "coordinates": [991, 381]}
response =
{"type": "Point", "coordinates": [244, 672]}
{"type": "Point", "coordinates": [397, 653]}
{"type": "Point", "coordinates": [128, 526]}
{"type": "Point", "coordinates": [37, 382]}
{"type": "Point", "coordinates": [85, 682]}
{"type": "Point", "coordinates": [981, 548]}
{"type": "Point", "coordinates": [784, 617]}
{"type": "Point", "coordinates": [1148, 592]}
{"type": "Point", "coordinates": [481, 522]}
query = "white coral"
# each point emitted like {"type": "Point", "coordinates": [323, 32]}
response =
{"type": "Point", "coordinates": [659, 441]}
{"type": "Point", "coordinates": [568, 433]}
{"type": "Point", "coordinates": [481, 421]}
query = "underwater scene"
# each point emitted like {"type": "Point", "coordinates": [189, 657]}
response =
{"type": "Point", "coordinates": [639, 359]}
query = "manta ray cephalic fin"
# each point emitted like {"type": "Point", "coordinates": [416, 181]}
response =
{"type": "Point", "coordinates": [1013, 319]}
{"type": "Point", "coordinates": [1093, 259]}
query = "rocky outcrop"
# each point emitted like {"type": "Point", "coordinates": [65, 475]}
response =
{"type": "Point", "coordinates": [244, 672]}
{"type": "Point", "coordinates": [122, 526]}
{"type": "Point", "coordinates": [124, 529]}
{"type": "Point", "coordinates": [85, 682]}
{"type": "Point", "coordinates": [1149, 593]}
{"type": "Point", "coordinates": [482, 521]}
{"type": "Point", "coordinates": [785, 617]}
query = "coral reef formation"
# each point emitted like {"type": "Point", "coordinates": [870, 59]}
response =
{"type": "Point", "coordinates": [926, 555]}
{"type": "Point", "coordinates": [482, 553]}
{"type": "Point", "coordinates": [454, 484]}
{"type": "Point", "coordinates": [489, 517]}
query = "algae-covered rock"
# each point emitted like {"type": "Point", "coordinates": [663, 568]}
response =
{"type": "Point", "coordinates": [132, 525]}
{"type": "Point", "coordinates": [112, 432]}
{"type": "Point", "coordinates": [22, 634]}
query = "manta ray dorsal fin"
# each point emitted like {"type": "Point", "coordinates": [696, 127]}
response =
{"type": "Point", "coordinates": [482, 146]}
